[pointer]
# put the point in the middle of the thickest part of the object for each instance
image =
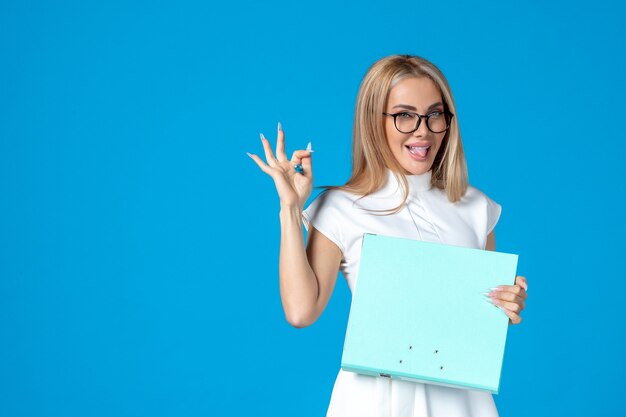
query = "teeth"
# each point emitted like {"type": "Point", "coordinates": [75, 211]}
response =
{"type": "Point", "coordinates": [419, 147]}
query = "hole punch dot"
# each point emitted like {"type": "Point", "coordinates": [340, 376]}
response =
{"type": "Point", "coordinates": [436, 351]}
{"type": "Point", "coordinates": [441, 367]}
{"type": "Point", "coordinates": [400, 360]}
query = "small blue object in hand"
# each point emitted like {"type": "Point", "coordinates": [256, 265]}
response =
{"type": "Point", "coordinates": [298, 168]}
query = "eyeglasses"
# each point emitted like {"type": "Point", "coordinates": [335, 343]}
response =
{"type": "Point", "coordinates": [409, 122]}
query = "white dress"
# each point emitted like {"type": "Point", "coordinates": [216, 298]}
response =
{"type": "Point", "coordinates": [342, 218]}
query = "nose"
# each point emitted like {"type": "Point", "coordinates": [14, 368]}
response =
{"type": "Point", "coordinates": [422, 129]}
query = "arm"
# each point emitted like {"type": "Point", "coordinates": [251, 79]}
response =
{"type": "Point", "coordinates": [491, 241]}
{"type": "Point", "coordinates": [307, 277]}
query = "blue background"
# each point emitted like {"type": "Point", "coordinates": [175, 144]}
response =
{"type": "Point", "coordinates": [139, 244]}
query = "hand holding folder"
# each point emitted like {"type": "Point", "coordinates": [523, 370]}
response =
{"type": "Point", "coordinates": [511, 298]}
{"type": "Point", "coordinates": [418, 313]}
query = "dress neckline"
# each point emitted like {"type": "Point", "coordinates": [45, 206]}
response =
{"type": "Point", "coordinates": [417, 183]}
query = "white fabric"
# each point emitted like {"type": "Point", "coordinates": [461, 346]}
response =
{"type": "Point", "coordinates": [343, 218]}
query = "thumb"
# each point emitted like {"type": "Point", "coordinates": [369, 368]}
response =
{"type": "Point", "coordinates": [307, 166]}
{"type": "Point", "coordinates": [304, 158]}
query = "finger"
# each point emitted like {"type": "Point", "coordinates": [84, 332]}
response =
{"type": "Point", "coordinates": [297, 156]}
{"type": "Point", "coordinates": [513, 317]}
{"type": "Point", "coordinates": [264, 167]}
{"type": "Point", "coordinates": [514, 289]}
{"type": "Point", "coordinates": [269, 155]}
{"type": "Point", "coordinates": [514, 307]}
{"type": "Point", "coordinates": [303, 158]}
{"type": "Point", "coordinates": [521, 281]}
{"type": "Point", "coordinates": [280, 144]}
{"type": "Point", "coordinates": [513, 304]}
{"type": "Point", "coordinates": [513, 293]}
{"type": "Point", "coordinates": [307, 166]}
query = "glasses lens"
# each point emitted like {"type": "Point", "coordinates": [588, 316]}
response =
{"type": "Point", "coordinates": [406, 122]}
{"type": "Point", "coordinates": [437, 122]}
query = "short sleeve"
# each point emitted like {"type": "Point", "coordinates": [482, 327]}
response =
{"type": "Point", "coordinates": [325, 215]}
{"type": "Point", "coordinates": [493, 214]}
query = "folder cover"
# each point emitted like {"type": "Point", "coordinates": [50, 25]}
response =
{"type": "Point", "coordinates": [418, 313]}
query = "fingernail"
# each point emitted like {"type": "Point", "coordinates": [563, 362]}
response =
{"type": "Point", "coordinates": [279, 127]}
{"type": "Point", "coordinates": [502, 310]}
{"type": "Point", "coordinates": [496, 289]}
{"type": "Point", "coordinates": [525, 286]}
{"type": "Point", "coordinates": [308, 147]}
{"type": "Point", "coordinates": [495, 301]}
{"type": "Point", "coordinates": [262, 137]}
{"type": "Point", "coordinates": [249, 154]}
{"type": "Point", "coordinates": [492, 303]}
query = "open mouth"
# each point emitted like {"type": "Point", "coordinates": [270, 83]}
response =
{"type": "Point", "coordinates": [419, 153]}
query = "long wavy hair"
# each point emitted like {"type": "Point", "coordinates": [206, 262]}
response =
{"type": "Point", "coordinates": [371, 155]}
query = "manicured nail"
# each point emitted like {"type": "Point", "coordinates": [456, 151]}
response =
{"type": "Point", "coordinates": [279, 127]}
{"type": "Point", "coordinates": [308, 147]}
{"type": "Point", "coordinates": [249, 154]}
{"type": "Point", "coordinates": [503, 311]}
{"type": "Point", "coordinates": [262, 137]}
{"type": "Point", "coordinates": [525, 286]}
{"type": "Point", "coordinates": [495, 301]}
{"type": "Point", "coordinates": [491, 301]}
{"type": "Point", "coordinates": [496, 289]}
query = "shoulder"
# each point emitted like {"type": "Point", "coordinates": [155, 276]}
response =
{"type": "Point", "coordinates": [481, 205]}
{"type": "Point", "coordinates": [334, 200]}
{"type": "Point", "coordinates": [474, 196]}
{"type": "Point", "coordinates": [330, 213]}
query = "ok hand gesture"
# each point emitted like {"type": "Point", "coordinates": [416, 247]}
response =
{"type": "Point", "coordinates": [293, 187]}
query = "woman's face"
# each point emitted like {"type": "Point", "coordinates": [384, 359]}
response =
{"type": "Point", "coordinates": [414, 151]}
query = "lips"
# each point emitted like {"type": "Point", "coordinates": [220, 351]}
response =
{"type": "Point", "coordinates": [418, 151]}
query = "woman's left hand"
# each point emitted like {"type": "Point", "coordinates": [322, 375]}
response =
{"type": "Point", "coordinates": [511, 298]}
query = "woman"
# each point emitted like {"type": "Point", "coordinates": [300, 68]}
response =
{"type": "Point", "coordinates": [409, 179]}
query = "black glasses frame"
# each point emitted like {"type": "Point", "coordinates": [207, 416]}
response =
{"type": "Point", "coordinates": [447, 114]}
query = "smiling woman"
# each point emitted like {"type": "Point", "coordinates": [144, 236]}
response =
{"type": "Point", "coordinates": [409, 180]}
{"type": "Point", "coordinates": [424, 139]}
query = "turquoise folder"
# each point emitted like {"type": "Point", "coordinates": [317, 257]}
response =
{"type": "Point", "coordinates": [418, 313]}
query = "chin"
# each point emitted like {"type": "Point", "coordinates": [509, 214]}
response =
{"type": "Point", "coordinates": [419, 168]}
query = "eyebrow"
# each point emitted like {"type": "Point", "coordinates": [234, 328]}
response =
{"type": "Point", "coordinates": [406, 106]}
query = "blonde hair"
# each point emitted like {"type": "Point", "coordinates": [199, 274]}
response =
{"type": "Point", "coordinates": [371, 155]}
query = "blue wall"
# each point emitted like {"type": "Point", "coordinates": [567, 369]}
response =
{"type": "Point", "coordinates": [139, 243]}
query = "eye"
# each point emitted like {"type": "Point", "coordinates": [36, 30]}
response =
{"type": "Point", "coordinates": [435, 114]}
{"type": "Point", "coordinates": [405, 115]}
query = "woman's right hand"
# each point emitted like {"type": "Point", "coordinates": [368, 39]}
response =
{"type": "Point", "coordinates": [293, 188]}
